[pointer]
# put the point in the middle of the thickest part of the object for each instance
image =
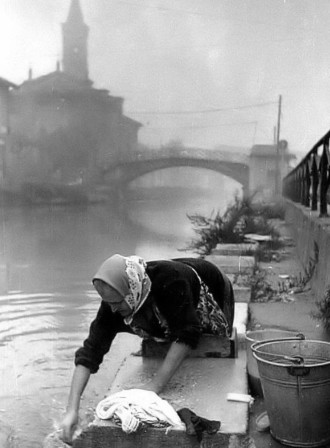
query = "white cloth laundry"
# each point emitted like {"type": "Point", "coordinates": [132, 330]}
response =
{"type": "Point", "coordinates": [137, 406]}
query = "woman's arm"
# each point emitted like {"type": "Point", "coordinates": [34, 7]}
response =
{"type": "Point", "coordinates": [79, 381]}
{"type": "Point", "coordinates": [102, 331]}
{"type": "Point", "coordinates": [177, 352]}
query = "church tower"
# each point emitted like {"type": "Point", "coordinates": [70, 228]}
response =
{"type": "Point", "coordinates": [75, 34]}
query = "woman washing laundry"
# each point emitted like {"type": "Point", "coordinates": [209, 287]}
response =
{"type": "Point", "coordinates": [175, 300]}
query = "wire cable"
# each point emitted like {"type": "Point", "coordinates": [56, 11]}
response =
{"type": "Point", "coordinates": [202, 111]}
{"type": "Point", "coordinates": [192, 126]}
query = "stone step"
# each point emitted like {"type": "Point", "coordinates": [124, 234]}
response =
{"type": "Point", "coordinates": [102, 434]}
{"type": "Point", "coordinates": [242, 293]}
{"type": "Point", "coordinates": [240, 323]}
{"type": "Point", "coordinates": [233, 264]}
{"type": "Point", "coordinates": [200, 384]}
{"type": "Point", "coordinates": [235, 249]}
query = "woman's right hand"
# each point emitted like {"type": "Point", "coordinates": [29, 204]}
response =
{"type": "Point", "coordinates": [70, 421]}
{"type": "Point", "coordinates": [68, 426]}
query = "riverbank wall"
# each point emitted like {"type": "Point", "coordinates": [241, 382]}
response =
{"type": "Point", "coordinates": [312, 238]}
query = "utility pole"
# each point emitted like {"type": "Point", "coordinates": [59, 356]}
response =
{"type": "Point", "coordinates": [277, 159]}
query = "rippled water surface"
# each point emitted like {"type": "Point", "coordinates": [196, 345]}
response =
{"type": "Point", "coordinates": [47, 257]}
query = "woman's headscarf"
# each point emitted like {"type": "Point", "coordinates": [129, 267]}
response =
{"type": "Point", "coordinates": [128, 276]}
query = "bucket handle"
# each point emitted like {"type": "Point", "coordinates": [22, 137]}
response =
{"type": "Point", "coordinates": [298, 337]}
{"type": "Point", "coordinates": [296, 359]}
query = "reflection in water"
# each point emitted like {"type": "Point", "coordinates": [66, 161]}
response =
{"type": "Point", "coordinates": [47, 257]}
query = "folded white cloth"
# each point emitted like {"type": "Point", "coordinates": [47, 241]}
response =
{"type": "Point", "coordinates": [135, 406]}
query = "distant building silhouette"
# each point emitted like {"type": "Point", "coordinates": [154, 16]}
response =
{"type": "Point", "coordinates": [75, 35]}
{"type": "Point", "coordinates": [5, 88]}
{"type": "Point", "coordinates": [62, 129]}
{"type": "Point", "coordinates": [265, 163]}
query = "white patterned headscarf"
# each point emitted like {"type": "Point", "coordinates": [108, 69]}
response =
{"type": "Point", "coordinates": [128, 276]}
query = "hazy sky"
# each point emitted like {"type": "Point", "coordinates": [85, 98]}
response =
{"type": "Point", "coordinates": [191, 69]}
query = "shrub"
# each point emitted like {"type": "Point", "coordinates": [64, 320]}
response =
{"type": "Point", "coordinates": [323, 306]}
{"type": "Point", "coordinates": [240, 218]}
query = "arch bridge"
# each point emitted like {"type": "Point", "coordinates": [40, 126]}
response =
{"type": "Point", "coordinates": [233, 165]}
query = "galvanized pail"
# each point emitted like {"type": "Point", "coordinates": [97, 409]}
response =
{"type": "Point", "coordinates": [251, 364]}
{"type": "Point", "coordinates": [295, 377]}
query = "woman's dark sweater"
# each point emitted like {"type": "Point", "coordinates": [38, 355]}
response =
{"type": "Point", "coordinates": [175, 290]}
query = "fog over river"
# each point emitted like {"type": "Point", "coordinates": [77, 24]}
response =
{"type": "Point", "coordinates": [48, 255]}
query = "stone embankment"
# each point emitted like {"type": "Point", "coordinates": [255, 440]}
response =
{"type": "Point", "coordinates": [312, 238]}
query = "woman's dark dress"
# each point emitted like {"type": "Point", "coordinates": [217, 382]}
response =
{"type": "Point", "coordinates": [175, 291]}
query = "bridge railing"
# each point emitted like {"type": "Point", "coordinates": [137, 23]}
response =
{"type": "Point", "coordinates": [309, 181]}
{"type": "Point", "coordinates": [195, 153]}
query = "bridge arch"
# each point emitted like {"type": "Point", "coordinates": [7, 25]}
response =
{"type": "Point", "coordinates": [125, 172]}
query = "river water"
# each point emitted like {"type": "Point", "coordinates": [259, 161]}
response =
{"type": "Point", "coordinates": [48, 255]}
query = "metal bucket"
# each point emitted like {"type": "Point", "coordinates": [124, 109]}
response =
{"type": "Point", "coordinates": [295, 377]}
{"type": "Point", "coordinates": [251, 363]}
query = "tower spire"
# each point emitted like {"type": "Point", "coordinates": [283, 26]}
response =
{"type": "Point", "coordinates": [75, 13]}
{"type": "Point", "coordinates": [75, 34]}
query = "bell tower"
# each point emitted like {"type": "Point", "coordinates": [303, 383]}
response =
{"type": "Point", "coordinates": [75, 34]}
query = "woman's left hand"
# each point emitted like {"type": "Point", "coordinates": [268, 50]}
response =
{"type": "Point", "coordinates": [176, 354]}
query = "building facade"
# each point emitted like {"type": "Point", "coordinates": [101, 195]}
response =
{"type": "Point", "coordinates": [268, 166]}
{"type": "Point", "coordinates": [62, 129]}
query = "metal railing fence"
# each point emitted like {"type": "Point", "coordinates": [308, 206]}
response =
{"type": "Point", "coordinates": [309, 181]}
